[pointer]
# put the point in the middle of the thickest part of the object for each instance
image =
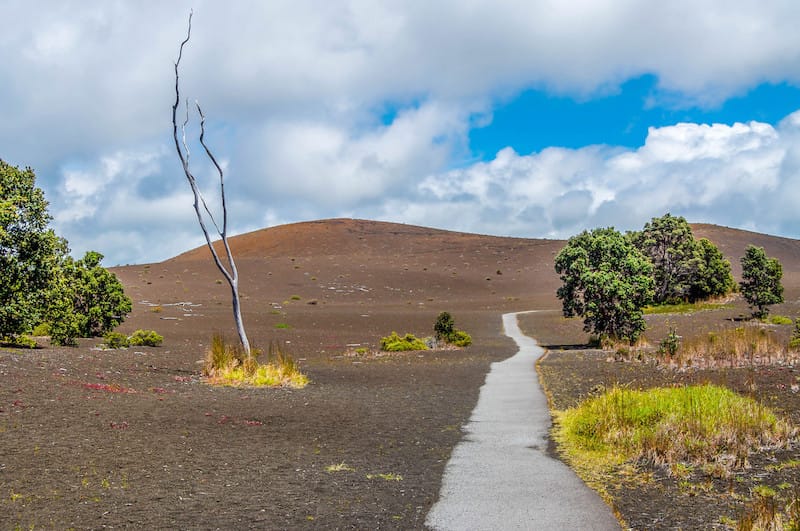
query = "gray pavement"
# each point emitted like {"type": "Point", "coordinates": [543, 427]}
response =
{"type": "Point", "coordinates": [500, 476]}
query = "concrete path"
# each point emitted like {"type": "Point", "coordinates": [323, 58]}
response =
{"type": "Point", "coordinates": [500, 476]}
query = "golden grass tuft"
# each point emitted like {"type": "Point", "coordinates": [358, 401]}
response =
{"type": "Point", "coordinates": [693, 425]}
{"type": "Point", "coordinates": [227, 364]}
{"type": "Point", "coordinates": [738, 347]}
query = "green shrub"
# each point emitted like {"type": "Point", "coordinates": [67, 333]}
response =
{"type": "Point", "coordinates": [779, 320]}
{"type": "Point", "coordinates": [460, 338]}
{"type": "Point", "coordinates": [444, 326]}
{"type": "Point", "coordinates": [395, 343]}
{"type": "Point", "coordinates": [147, 338]}
{"type": "Point", "coordinates": [115, 340]}
{"type": "Point", "coordinates": [670, 344]}
{"type": "Point", "coordinates": [42, 329]}
{"type": "Point", "coordinates": [20, 341]}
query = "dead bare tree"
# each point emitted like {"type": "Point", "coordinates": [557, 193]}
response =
{"type": "Point", "coordinates": [228, 270]}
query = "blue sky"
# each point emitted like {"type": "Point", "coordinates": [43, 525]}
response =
{"type": "Point", "coordinates": [533, 119]}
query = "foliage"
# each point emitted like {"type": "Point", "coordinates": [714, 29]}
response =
{"type": "Point", "coordinates": [445, 330]}
{"type": "Point", "coordinates": [779, 320]}
{"type": "Point", "coordinates": [698, 425]}
{"type": "Point", "coordinates": [115, 340]}
{"type": "Point", "coordinates": [670, 344]}
{"type": "Point", "coordinates": [147, 338]}
{"type": "Point", "coordinates": [794, 342]}
{"type": "Point", "coordinates": [395, 343]}
{"type": "Point", "coordinates": [29, 251]}
{"type": "Point", "coordinates": [607, 281]}
{"type": "Point", "coordinates": [668, 243]}
{"type": "Point", "coordinates": [20, 341]}
{"type": "Point", "coordinates": [742, 346]}
{"type": "Point", "coordinates": [228, 364]}
{"type": "Point", "coordinates": [444, 326]}
{"type": "Point", "coordinates": [87, 300]}
{"type": "Point", "coordinates": [42, 329]}
{"type": "Point", "coordinates": [712, 275]}
{"type": "Point", "coordinates": [459, 338]}
{"type": "Point", "coordinates": [761, 281]}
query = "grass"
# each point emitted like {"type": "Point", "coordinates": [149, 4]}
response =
{"type": "Point", "coordinates": [742, 346]}
{"type": "Point", "coordinates": [227, 364]}
{"type": "Point", "coordinates": [684, 307]}
{"type": "Point", "coordinates": [339, 467]}
{"type": "Point", "coordinates": [778, 320]}
{"type": "Point", "coordinates": [389, 476]}
{"type": "Point", "coordinates": [692, 426]}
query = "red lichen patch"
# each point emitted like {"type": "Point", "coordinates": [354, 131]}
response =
{"type": "Point", "coordinates": [109, 388]}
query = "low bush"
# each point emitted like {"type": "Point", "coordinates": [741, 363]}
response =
{"type": "Point", "coordinates": [115, 340]}
{"type": "Point", "coordinates": [147, 338]}
{"type": "Point", "coordinates": [20, 341]}
{"type": "Point", "coordinates": [41, 330]}
{"type": "Point", "coordinates": [445, 330]}
{"type": "Point", "coordinates": [396, 343]}
{"type": "Point", "coordinates": [778, 320]}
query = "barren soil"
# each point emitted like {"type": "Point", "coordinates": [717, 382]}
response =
{"type": "Point", "coordinates": [133, 438]}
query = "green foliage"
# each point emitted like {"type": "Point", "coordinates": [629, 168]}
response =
{"type": "Point", "coordinates": [712, 274]}
{"type": "Point", "coordinates": [607, 281]}
{"type": "Point", "coordinates": [228, 364]}
{"type": "Point", "coordinates": [396, 343]}
{"type": "Point", "coordinates": [761, 281]}
{"type": "Point", "coordinates": [668, 243]}
{"type": "Point", "coordinates": [460, 338]}
{"type": "Point", "coordinates": [42, 329]}
{"type": "Point", "coordinates": [29, 251]}
{"type": "Point", "coordinates": [779, 320]}
{"type": "Point", "coordinates": [445, 330]}
{"type": "Point", "coordinates": [115, 340]}
{"type": "Point", "coordinates": [20, 341]}
{"type": "Point", "coordinates": [670, 344]}
{"type": "Point", "coordinates": [444, 326]}
{"type": "Point", "coordinates": [683, 307]}
{"type": "Point", "coordinates": [147, 338]}
{"type": "Point", "coordinates": [39, 282]}
{"type": "Point", "coordinates": [87, 300]}
{"type": "Point", "coordinates": [794, 342]}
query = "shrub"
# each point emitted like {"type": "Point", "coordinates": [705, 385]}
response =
{"type": "Point", "coordinates": [20, 341]}
{"type": "Point", "coordinates": [395, 343]}
{"type": "Point", "coordinates": [444, 326]}
{"type": "Point", "coordinates": [446, 330]}
{"type": "Point", "coordinates": [460, 338]}
{"type": "Point", "coordinates": [115, 340]}
{"type": "Point", "coordinates": [794, 342]}
{"type": "Point", "coordinates": [779, 320]}
{"type": "Point", "coordinates": [670, 344]}
{"type": "Point", "coordinates": [147, 338]}
{"type": "Point", "coordinates": [42, 329]}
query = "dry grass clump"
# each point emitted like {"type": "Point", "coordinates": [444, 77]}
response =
{"type": "Point", "coordinates": [739, 347]}
{"type": "Point", "coordinates": [698, 425]}
{"type": "Point", "coordinates": [767, 512]}
{"type": "Point", "coordinates": [227, 364]}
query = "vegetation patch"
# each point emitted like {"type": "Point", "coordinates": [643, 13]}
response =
{"type": "Point", "coordinates": [685, 307]}
{"type": "Point", "coordinates": [738, 347]}
{"type": "Point", "coordinates": [227, 364]}
{"type": "Point", "coordinates": [445, 330]}
{"type": "Point", "coordinates": [397, 343]}
{"type": "Point", "coordinates": [147, 338]}
{"type": "Point", "coordinates": [700, 425]}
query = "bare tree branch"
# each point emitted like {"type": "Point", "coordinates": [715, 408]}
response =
{"type": "Point", "coordinates": [230, 271]}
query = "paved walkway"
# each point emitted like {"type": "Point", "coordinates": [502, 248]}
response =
{"type": "Point", "coordinates": [500, 476]}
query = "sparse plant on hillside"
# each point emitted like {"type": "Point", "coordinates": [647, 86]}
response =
{"type": "Point", "coordinates": [115, 340]}
{"type": "Point", "coordinates": [230, 272]}
{"type": "Point", "coordinates": [445, 330]}
{"type": "Point", "coordinates": [228, 364]}
{"type": "Point", "coordinates": [607, 281]}
{"type": "Point", "coordinates": [146, 338]}
{"type": "Point", "coordinates": [761, 281]}
{"type": "Point", "coordinates": [396, 343]}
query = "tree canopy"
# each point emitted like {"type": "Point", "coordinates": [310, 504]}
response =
{"type": "Point", "coordinates": [607, 281]}
{"type": "Point", "coordinates": [761, 280]}
{"type": "Point", "coordinates": [683, 268]}
{"type": "Point", "coordinates": [39, 281]}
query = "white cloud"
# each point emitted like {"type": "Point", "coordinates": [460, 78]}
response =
{"type": "Point", "coordinates": [295, 91]}
{"type": "Point", "coordinates": [740, 175]}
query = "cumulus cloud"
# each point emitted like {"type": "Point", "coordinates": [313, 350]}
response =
{"type": "Point", "coordinates": [743, 175]}
{"type": "Point", "coordinates": [358, 107]}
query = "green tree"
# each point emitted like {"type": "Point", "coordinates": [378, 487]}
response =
{"type": "Point", "coordinates": [607, 281]}
{"type": "Point", "coordinates": [761, 281]}
{"type": "Point", "coordinates": [712, 277]}
{"type": "Point", "coordinates": [669, 244]}
{"type": "Point", "coordinates": [88, 300]}
{"type": "Point", "coordinates": [29, 251]}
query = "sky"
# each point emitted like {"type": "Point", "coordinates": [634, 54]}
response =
{"type": "Point", "coordinates": [526, 118]}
